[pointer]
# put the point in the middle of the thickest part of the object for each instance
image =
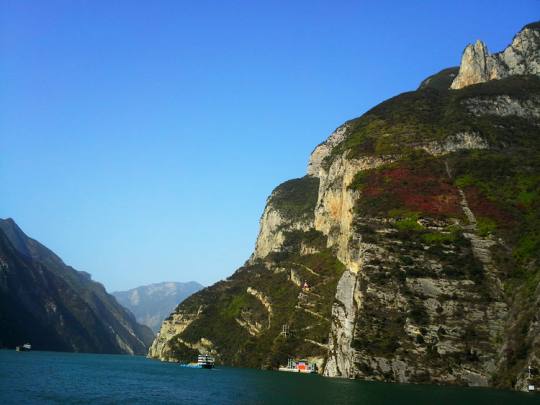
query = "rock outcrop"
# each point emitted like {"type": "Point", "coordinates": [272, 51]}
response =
{"type": "Point", "coordinates": [408, 253]}
{"type": "Point", "coordinates": [341, 356]}
{"type": "Point", "coordinates": [522, 57]}
{"type": "Point", "coordinates": [163, 346]}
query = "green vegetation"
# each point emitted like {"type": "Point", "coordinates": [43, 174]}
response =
{"type": "Point", "coordinates": [227, 302]}
{"type": "Point", "coordinates": [485, 226]}
{"type": "Point", "coordinates": [296, 198]}
{"type": "Point", "coordinates": [409, 222]}
{"type": "Point", "coordinates": [430, 114]}
{"type": "Point", "coordinates": [312, 238]}
{"type": "Point", "coordinates": [180, 351]}
{"type": "Point", "coordinates": [440, 81]}
{"type": "Point", "coordinates": [464, 181]}
{"type": "Point", "coordinates": [235, 306]}
{"type": "Point", "coordinates": [503, 189]}
{"type": "Point", "coordinates": [439, 237]}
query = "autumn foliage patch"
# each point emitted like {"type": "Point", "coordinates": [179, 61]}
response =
{"type": "Point", "coordinates": [413, 189]}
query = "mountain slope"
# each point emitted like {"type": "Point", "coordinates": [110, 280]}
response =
{"type": "Point", "coordinates": [417, 231]}
{"type": "Point", "coordinates": [151, 304]}
{"type": "Point", "coordinates": [56, 307]}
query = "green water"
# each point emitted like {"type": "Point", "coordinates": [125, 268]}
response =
{"type": "Point", "coordinates": [47, 377]}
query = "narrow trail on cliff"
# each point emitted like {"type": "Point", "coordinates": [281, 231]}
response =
{"type": "Point", "coordinates": [481, 246]}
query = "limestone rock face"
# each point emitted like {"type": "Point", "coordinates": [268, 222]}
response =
{"type": "Point", "coordinates": [273, 225]}
{"type": "Point", "coordinates": [341, 355]}
{"type": "Point", "coordinates": [405, 254]}
{"type": "Point", "coordinates": [289, 208]}
{"type": "Point", "coordinates": [522, 57]}
{"type": "Point", "coordinates": [504, 106]}
{"type": "Point", "coordinates": [174, 325]}
{"type": "Point", "coordinates": [324, 149]}
{"type": "Point", "coordinates": [476, 66]}
{"type": "Point", "coordinates": [335, 204]}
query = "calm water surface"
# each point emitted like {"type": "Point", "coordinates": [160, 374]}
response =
{"type": "Point", "coordinates": [47, 377]}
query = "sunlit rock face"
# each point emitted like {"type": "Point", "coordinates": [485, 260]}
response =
{"type": "Point", "coordinates": [522, 57]}
{"type": "Point", "coordinates": [414, 232]}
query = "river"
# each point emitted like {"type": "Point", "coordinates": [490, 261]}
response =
{"type": "Point", "coordinates": [72, 378]}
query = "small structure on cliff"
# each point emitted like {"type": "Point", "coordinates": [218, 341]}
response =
{"type": "Point", "coordinates": [530, 385]}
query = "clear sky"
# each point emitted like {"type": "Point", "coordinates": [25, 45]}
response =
{"type": "Point", "coordinates": [140, 139]}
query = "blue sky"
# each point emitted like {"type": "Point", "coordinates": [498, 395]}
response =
{"type": "Point", "coordinates": [140, 139]}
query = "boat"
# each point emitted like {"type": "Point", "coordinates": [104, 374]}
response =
{"type": "Point", "coordinates": [203, 361]}
{"type": "Point", "coordinates": [299, 366]}
{"type": "Point", "coordinates": [24, 348]}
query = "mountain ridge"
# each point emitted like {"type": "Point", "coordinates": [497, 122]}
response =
{"type": "Point", "coordinates": [55, 307]}
{"type": "Point", "coordinates": [415, 229]}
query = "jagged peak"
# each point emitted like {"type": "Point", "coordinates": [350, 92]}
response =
{"type": "Point", "coordinates": [521, 57]}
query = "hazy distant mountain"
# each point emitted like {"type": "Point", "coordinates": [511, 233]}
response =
{"type": "Point", "coordinates": [54, 307]}
{"type": "Point", "coordinates": [151, 304]}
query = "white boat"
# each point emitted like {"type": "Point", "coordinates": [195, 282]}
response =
{"type": "Point", "coordinates": [203, 361]}
{"type": "Point", "coordinates": [24, 348]}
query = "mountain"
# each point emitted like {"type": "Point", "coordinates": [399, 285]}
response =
{"type": "Point", "coordinates": [417, 231]}
{"type": "Point", "coordinates": [151, 304]}
{"type": "Point", "coordinates": [54, 307]}
{"type": "Point", "coordinates": [520, 58]}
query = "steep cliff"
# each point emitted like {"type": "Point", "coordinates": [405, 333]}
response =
{"type": "Point", "coordinates": [54, 307]}
{"type": "Point", "coordinates": [416, 229]}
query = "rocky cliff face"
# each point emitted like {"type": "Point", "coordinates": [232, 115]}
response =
{"type": "Point", "coordinates": [416, 231]}
{"type": "Point", "coordinates": [287, 210]}
{"type": "Point", "coordinates": [54, 307]}
{"type": "Point", "coordinates": [522, 57]}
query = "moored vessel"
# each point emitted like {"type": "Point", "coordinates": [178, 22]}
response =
{"type": "Point", "coordinates": [203, 361]}
{"type": "Point", "coordinates": [299, 366]}
{"type": "Point", "coordinates": [24, 348]}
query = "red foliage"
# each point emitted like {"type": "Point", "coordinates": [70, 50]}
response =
{"type": "Point", "coordinates": [415, 189]}
{"type": "Point", "coordinates": [482, 207]}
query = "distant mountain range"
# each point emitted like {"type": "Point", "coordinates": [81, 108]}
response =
{"type": "Point", "coordinates": [49, 304]}
{"type": "Point", "coordinates": [151, 304]}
